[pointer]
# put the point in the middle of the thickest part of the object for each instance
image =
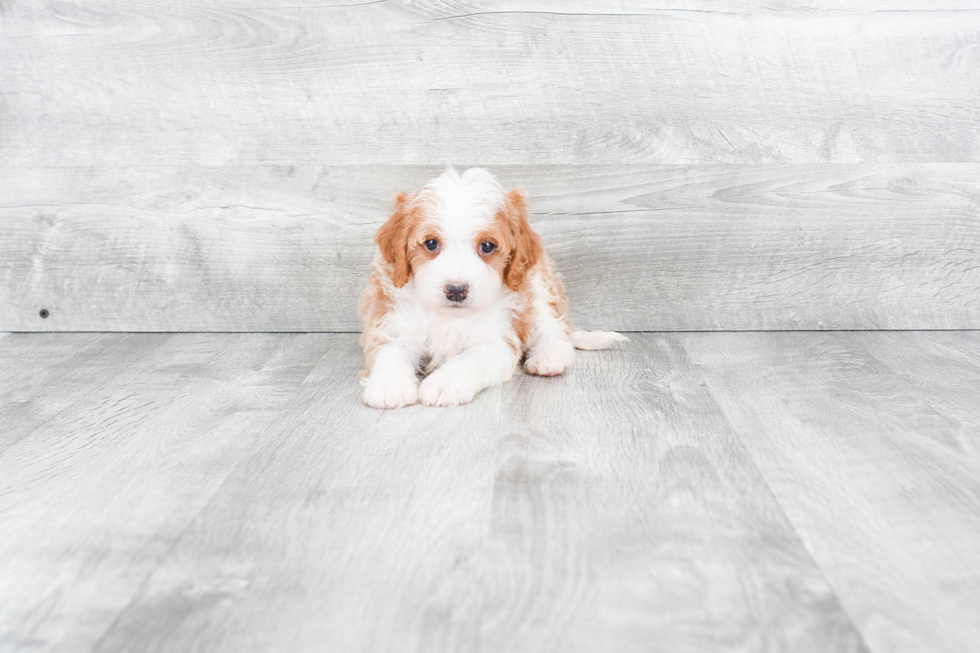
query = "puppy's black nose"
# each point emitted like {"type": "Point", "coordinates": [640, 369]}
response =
{"type": "Point", "coordinates": [456, 292]}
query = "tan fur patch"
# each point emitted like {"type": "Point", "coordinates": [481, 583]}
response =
{"type": "Point", "coordinates": [525, 246]}
{"type": "Point", "coordinates": [554, 292]}
{"type": "Point", "coordinates": [375, 305]}
{"type": "Point", "coordinates": [498, 234]}
{"type": "Point", "coordinates": [522, 324]}
{"type": "Point", "coordinates": [420, 232]}
{"type": "Point", "coordinates": [392, 238]}
{"type": "Point", "coordinates": [557, 299]}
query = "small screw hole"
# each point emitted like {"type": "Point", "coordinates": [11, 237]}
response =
{"type": "Point", "coordinates": [44, 313]}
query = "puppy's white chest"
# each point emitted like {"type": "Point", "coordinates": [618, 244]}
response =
{"type": "Point", "coordinates": [446, 336]}
{"type": "Point", "coordinates": [438, 336]}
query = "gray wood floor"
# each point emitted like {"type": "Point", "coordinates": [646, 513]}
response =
{"type": "Point", "coordinates": [686, 492]}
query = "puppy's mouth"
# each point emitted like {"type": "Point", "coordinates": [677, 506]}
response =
{"type": "Point", "coordinates": [455, 306]}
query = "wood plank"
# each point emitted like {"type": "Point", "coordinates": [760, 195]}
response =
{"type": "Point", "coordinates": [642, 247]}
{"type": "Point", "coordinates": [944, 369]}
{"type": "Point", "coordinates": [94, 497]}
{"type": "Point", "coordinates": [328, 537]}
{"type": "Point", "coordinates": [875, 470]}
{"type": "Point", "coordinates": [24, 363]}
{"type": "Point", "coordinates": [46, 375]}
{"type": "Point", "coordinates": [544, 516]}
{"type": "Point", "coordinates": [148, 83]}
{"type": "Point", "coordinates": [628, 515]}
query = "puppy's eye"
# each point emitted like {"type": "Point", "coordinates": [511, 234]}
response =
{"type": "Point", "coordinates": [431, 244]}
{"type": "Point", "coordinates": [487, 247]}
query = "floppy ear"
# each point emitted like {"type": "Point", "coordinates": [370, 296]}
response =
{"type": "Point", "coordinates": [527, 248]}
{"type": "Point", "coordinates": [392, 239]}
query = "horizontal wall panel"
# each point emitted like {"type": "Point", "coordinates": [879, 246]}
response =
{"type": "Point", "coordinates": [286, 248]}
{"type": "Point", "coordinates": [137, 82]}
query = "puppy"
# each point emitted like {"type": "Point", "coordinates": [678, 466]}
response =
{"type": "Point", "coordinates": [461, 290]}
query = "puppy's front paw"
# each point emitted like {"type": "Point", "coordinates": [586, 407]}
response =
{"type": "Point", "coordinates": [550, 359]}
{"type": "Point", "coordinates": [445, 389]}
{"type": "Point", "coordinates": [381, 392]}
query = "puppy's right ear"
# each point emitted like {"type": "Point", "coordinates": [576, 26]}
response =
{"type": "Point", "coordinates": [392, 239]}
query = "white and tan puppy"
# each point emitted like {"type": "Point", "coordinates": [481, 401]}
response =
{"type": "Point", "coordinates": [462, 290]}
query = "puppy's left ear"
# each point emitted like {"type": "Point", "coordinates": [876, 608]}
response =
{"type": "Point", "coordinates": [527, 248]}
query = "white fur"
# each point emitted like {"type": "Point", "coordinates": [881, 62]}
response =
{"type": "Point", "coordinates": [464, 348]}
{"type": "Point", "coordinates": [393, 382]}
{"type": "Point", "coordinates": [592, 340]}
{"type": "Point", "coordinates": [468, 352]}
{"type": "Point", "coordinates": [462, 206]}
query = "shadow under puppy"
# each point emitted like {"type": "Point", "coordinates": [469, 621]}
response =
{"type": "Point", "coordinates": [461, 290]}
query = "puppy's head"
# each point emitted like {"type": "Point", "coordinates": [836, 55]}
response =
{"type": "Point", "coordinates": [461, 240]}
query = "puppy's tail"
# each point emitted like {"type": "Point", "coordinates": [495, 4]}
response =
{"type": "Point", "coordinates": [592, 340]}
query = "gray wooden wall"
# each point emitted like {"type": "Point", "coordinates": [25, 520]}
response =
{"type": "Point", "coordinates": [740, 164]}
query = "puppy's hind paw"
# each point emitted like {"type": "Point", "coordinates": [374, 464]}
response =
{"type": "Point", "coordinates": [550, 359]}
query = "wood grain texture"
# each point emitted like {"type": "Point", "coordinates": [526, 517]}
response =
{"type": "Point", "coordinates": [616, 522]}
{"type": "Point", "coordinates": [944, 368]}
{"type": "Point", "coordinates": [93, 496]}
{"type": "Point", "coordinates": [635, 522]}
{"type": "Point", "coordinates": [641, 247]}
{"type": "Point", "coordinates": [42, 378]}
{"type": "Point", "coordinates": [331, 534]}
{"type": "Point", "coordinates": [686, 492]}
{"type": "Point", "coordinates": [870, 443]}
{"type": "Point", "coordinates": [112, 83]}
